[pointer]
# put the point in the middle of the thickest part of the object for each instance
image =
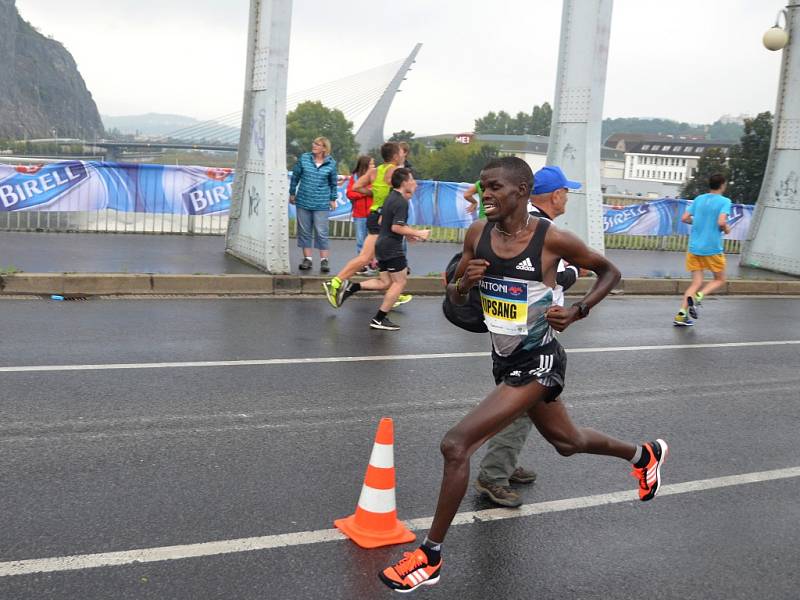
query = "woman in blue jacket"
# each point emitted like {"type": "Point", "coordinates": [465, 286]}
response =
{"type": "Point", "coordinates": [315, 173]}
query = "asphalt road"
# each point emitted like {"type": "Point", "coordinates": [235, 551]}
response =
{"type": "Point", "coordinates": [101, 460]}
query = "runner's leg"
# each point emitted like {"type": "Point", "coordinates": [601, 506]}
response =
{"type": "Point", "coordinates": [364, 258]}
{"type": "Point", "coordinates": [555, 425]}
{"type": "Point", "coordinates": [504, 404]}
{"type": "Point", "coordinates": [396, 288]}
{"type": "Point", "coordinates": [697, 282]}
{"type": "Point", "coordinates": [716, 283]}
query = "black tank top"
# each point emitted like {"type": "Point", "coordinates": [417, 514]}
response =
{"type": "Point", "coordinates": [513, 296]}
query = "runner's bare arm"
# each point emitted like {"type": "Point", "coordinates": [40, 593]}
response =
{"type": "Point", "coordinates": [722, 221]}
{"type": "Point", "coordinates": [388, 175]}
{"type": "Point", "coordinates": [470, 269]}
{"type": "Point", "coordinates": [362, 185]}
{"type": "Point", "coordinates": [560, 243]}
{"type": "Point", "coordinates": [469, 196]}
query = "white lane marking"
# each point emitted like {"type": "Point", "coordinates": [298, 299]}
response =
{"type": "Point", "coordinates": [336, 359]}
{"type": "Point", "coordinates": [148, 555]}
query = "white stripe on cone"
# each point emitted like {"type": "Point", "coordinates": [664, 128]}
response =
{"type": "Point", "coordinates": [382, 456]}
{"type": "Point", "coordinates": [376, 501]}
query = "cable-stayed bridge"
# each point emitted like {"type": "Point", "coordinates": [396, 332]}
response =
{"type": "Point", "coordinates": [365, 99]}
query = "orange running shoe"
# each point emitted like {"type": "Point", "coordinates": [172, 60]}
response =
{"type": "Point", "coordinates": [649, 476]}
{"type": "Point", "coordinates": [411, 572]}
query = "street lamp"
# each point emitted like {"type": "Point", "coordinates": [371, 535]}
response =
{"type": "Point", "coordinates": [776, 37]}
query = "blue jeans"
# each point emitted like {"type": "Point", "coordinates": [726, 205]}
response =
{"type": "Point", "coordinates": [312, 222]}
{"type": "Point", "coordinates": [361, 232]}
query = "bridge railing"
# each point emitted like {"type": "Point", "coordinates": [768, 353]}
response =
{"type": "Point", "coordinates": [112, 221]}
{"type": "Point", "coordinates": [93, 196]}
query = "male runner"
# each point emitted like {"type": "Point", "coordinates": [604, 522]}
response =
{"type": "Point", "coordinates": [708, 216]}
{"type": "Point", "coordinates": [389, 250]}
{"type": "Point", "coordinates": [499, 469]}
{"type": "Point", "coordinates": [376, 182]}
{"type": "Point", "coordinates": [512, 257]}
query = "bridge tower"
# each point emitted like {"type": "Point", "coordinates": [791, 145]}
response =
{"type": "Point", "coordinates": [370, 134]}
{"type": "Point", "coordinates": [578, 113]}
{"type": "Point", "coordinates": [773, 241]}
{"type": "Point", "coordinates": [258, 225]}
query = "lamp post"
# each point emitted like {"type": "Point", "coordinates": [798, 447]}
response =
{"type": "Point", "coordinates": [772, 242]}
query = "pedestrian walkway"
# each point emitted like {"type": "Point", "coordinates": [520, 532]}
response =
{"type": "Point", "coordinates": [146, 253]}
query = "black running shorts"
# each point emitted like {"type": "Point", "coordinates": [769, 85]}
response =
{"type": "Point", "coordinates": [393, 265]}
{"type": "Point", "coordinates": [373, 222]}
{"type": "Point", "coordinates": [546, 364]}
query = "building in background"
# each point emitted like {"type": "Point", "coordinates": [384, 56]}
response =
{"type": "Point", "coordinates": [533, 150]}
{"type": "Point", "coordinates": [626, 141]}
{"type": "Point", "coordinates": [666, 161]}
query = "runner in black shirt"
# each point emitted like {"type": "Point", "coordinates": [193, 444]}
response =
{"type": "Point", "coordinates": [512, 257]}
{"type": "Point", "coordinates": [389, 251]}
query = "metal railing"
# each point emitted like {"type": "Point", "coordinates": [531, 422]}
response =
{"type": "Point", "coordinates": [675, 243]}
{"type": "Point", "coordinates": [111, 221]}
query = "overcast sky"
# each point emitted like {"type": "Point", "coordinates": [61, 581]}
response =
{"type": "Point", "coordinates": [689, 60]}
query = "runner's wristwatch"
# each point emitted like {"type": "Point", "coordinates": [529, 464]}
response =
{"type": "Point", "coordinates": [583, 309]}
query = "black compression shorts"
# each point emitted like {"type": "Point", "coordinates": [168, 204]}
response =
{"type": "Point", "coordinates": [373, 222]}
{"type": "Point", "coordinates": [393, 265]}
{"type": "Point", "coordinates": [546, 364]}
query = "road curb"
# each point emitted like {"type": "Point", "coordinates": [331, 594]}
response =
{"type": "Point", "coordinates": [103, 284]}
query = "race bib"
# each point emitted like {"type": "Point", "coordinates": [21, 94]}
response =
{"type": "Point", "coordinates": [505, 305]}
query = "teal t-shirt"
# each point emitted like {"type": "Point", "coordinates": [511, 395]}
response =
{"type": "Point", "coordinates": [705, 237]}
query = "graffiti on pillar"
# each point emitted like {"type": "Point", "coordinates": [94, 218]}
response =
{"type": "Point", "coordinates": [569, 152]}
{"type": "Point", "coordinates": [786, 192]}
{"type": "Point", "coordinates": [260, 131]}
{"type": "Point", "coordinates": [253, 201]}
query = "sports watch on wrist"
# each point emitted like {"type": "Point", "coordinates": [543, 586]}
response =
{"type": "Point", "coordinates": [583, 309]}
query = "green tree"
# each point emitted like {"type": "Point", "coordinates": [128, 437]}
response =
{"type": "Point", "coordinates": [748, 160]}
{"type": "Point", "coordinates": [498, 123]}
{"type": "Point", "coordinates": [455, 162]}
{"type": "Point", "coordinates": [535, 123]}
{"type": "Point", "coordinates": [311, 120]}
{"type": "Point", "coordinates": [712, 161]}
{"type": "Point", "coordinates": [402, 136]}
{"type": "Point", "coordinates": [541, 118]}
{"type": "Point", "coordinates": [725, 132]}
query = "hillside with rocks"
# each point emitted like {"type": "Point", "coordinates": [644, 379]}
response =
{"type": "Point", "coordinates": [41, 89]}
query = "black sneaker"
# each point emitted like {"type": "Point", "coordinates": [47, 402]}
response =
{"type": "Point", "coordinates": [305, 265]}
{"type": "Point", "coordinates": [692, 307]}
{"type": "Point", "coordinates": [324, 267]}
{"type": "Point", "coordinates": [384, 323]}
{"type": "Point", "coordinates": [344, 292]}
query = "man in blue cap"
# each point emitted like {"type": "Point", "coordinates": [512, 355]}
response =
{"type": "Point", "coordinates": [499, 469]}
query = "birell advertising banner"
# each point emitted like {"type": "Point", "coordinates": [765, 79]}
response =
{"type": "Point", "coordinates": [146, 188]}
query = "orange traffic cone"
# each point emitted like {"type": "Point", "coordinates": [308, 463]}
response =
{"type": "Point", "coordinates": [375, 521]}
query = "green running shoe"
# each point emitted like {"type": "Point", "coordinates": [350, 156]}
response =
{"type": "Point", "coordinates": [682, 320]}
{"type": "Point", "coordinates": [403, 299]}
{"type": "Point", "coordinates": [332, 291]}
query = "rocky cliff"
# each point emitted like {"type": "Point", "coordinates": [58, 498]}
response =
{"type": "Point", "coordinates": [41, 89]}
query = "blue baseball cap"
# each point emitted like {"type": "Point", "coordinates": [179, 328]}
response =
{"type": "Point", "coordinates": [550, 179]}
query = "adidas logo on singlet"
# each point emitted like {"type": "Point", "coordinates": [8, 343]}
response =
{"type": "Point", "coordinates": [526, 265]}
